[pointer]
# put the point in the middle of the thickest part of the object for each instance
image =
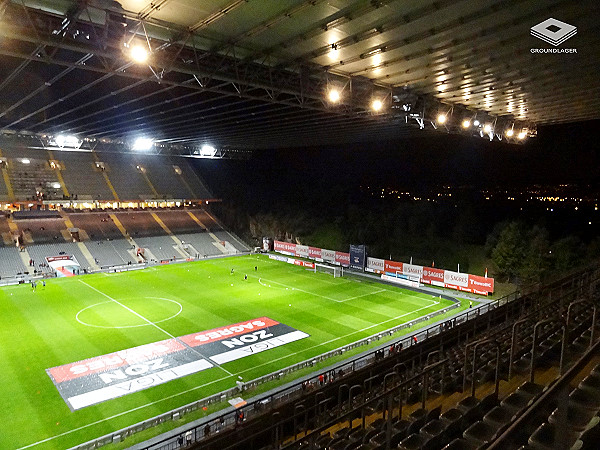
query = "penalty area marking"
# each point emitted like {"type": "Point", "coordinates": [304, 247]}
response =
{"type": "Point", "coordinates": [211, 382]}
{"type": "Point", "coordinates": [129, 326]}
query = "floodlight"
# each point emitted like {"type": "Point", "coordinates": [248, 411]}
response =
{"type": "Point", "coordinates": [25, 161]}
{"type": "Point", "coordinates": [139, 54]}
{"type": "Point", "coordinates": [376, 105]}
{"type": "Point", "coordinates": [487, 128]}
{"type": "Point", "coordinates": [510, 132]}
{"type": "Point", "coordinates": [441, 118]}
{"type": "Point", "coordinates": [67, 141]}
{"type": "Point", "coordinates": [522, 135]}
{"type": "Point", "coordinates": [207, 150]}
{"type": "Point", "coordinates": [466, 123]}
{"type": "Point", "coordinates": [142, 144]}
{"type": "Point", "coordinates": [56, 185]}
{"type": "Point", "coordinates": [334, 95]}
{"type": "Point", "coordinates": [334, 51]}
{"type": "Point", "coordinates": [476, 123]}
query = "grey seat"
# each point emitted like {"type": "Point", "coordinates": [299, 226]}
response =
{"type": "Point", "coordinates": [480, 433]}
{"type": "Point", "coordinates": [545, 437]}
{"type": "Point", "coordinates": [577, 417]}
{"type": "Point", "coordinates": [460, 444]}
{"type": "Point", "coordinates": [516, 401]}
{"type": "Point", "coordinates": [413, 442]}
{"type": "Point", "coordinates": [585, 399]}
{"type": "Point", "coordinates": [499, 416]}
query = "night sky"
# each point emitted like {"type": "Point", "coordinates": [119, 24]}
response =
{"type": "Point", "coordinates": [560, 154]}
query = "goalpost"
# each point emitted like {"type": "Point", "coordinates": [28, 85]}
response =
{"type": "Point", "coordinates": [336, 271]}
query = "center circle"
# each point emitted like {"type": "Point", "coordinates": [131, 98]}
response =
{"type": "Point", "coordinates": [130, 312]}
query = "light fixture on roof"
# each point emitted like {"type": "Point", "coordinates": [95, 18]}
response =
{"type": "Point", "coordinates": [522, 134]}
{"type": "Point", "coordinates": [487, 128]}
{"type": "Point", "coordinates": [376, 105]}
{"type": "Point", "coordinates": [65, 140]}
{"type": "Point", "coordinates": [441, 118]}
{"type": "Point", "coordinates": [142, 144]}
{"type": "Point", "coordinates": [466, 123]}
{"type": "Point", "coordinates": [207, 150]}
{"type": "Point", "coordinates": [510, 131]}
{"type": "Point", "coordinates": [333, 52]}
{"type": "Point", "coordinates": [334, 96]}
{"type": "Point", "coordinates": [476, 123]}
{"type": "Point", "coordinates": [139, 54]}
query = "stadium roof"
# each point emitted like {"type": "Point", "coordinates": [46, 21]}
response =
{"type": "Point", "coordinates": [256, 74]}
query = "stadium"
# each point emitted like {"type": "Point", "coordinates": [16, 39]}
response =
{"type": "Point", "coordinates": [220, 230]}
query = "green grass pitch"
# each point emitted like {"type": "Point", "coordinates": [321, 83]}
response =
{"type": "Point", "coordinates": [72, 319]}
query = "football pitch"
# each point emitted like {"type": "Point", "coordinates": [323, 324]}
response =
{"type": "Point", "coordinates": [80, 318]}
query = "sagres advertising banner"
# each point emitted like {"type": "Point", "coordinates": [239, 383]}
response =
{"type": "Point", "coordinates": [106, 377]}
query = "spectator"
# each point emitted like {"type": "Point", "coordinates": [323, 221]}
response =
{"type": "Point", "coordinates": [207, 430]}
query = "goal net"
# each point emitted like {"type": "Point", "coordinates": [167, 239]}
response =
{"type": "Point", "coordinates": [336, 271]}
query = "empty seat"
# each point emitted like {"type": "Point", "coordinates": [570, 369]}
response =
{"type": "Point", "coordinates": [433, 414]}
{"type": "Point", "coordinates": [545, 437]}
{"type": "Point", "coordinates": [591, 383]}
{"type": "Point", "coordinates": [585, 399]}
{"type": "Point", "coordinates": [480, 433]}
{"type": "Point", "coordinates": [460, 444]}
{"type": "Point", "coordinates": [433, 428]}
{"type": "Point", "coordinates": [413, 442]}
{"type": "Point", "coordinates": [499, 416]}
{"type": "Point", "coordinates": [469, 407]}
{"type": "Point", "coordinates": [516, 401]}
{"type": "Point", "coordinates": [577, 417]}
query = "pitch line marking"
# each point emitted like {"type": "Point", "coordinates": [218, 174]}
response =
{"type": "Point", "coordinates": [363, 295]}
{"type": "Point", "coordinates": [128, 326]}
{"type": "Point", "coordinates": [154, 325]}
{"type": "Point", "coordinates": [210, 382]}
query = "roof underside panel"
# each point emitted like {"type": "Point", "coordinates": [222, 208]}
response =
{"type": "Point", "coordinates": [255, 73]}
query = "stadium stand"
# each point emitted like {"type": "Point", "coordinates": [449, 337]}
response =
{"type": "Point", "coordinates": [111, 252]}
{"type": "Point", "coordinates": [161, 247]}
{"type": "Point", "coordinates": [128, 182]}
{"type": "Point", "coordinates": [96, 225]}
{"type": "Point", "coordinates": [471, 384]}
{"type": "Point", "coordinates": [139, 223]}
{"type": "Point", "coordinates": [101, 238]}
{"type": "Point", "coordinates": [10, 262]}
{"type": "Point", "coordinates": [164, 179]}
{"type": "Point", "coordinates": [43, 230]}
{"type": "Point", "coordinates": [7, 238]}
{"type": "Point", "coordinates": [178, 221]}
{"type": "Point", "coordinates": [82, 178]}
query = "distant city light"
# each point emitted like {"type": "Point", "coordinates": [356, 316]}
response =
{"type": "Point", "coordinates": [139, 54]}
{"type": "Point", "coordinates": [334, 96]}
{"type": "Point", "coordinates": [142, 144]}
